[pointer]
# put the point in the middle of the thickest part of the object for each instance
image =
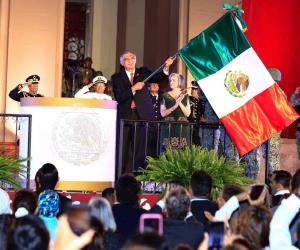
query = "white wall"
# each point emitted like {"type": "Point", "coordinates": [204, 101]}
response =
{"type": "Point", "coordinates": [104, 36]}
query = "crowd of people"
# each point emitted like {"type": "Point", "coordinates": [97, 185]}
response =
{"type": "Point", "coordinates": [242, 218]}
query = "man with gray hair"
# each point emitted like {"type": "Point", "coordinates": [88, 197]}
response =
{"type": "Point", "coordinates": [134, 103]}
{"type": "Point", "coordinates": [176, 228]}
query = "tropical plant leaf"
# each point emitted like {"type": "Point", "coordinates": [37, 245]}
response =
{"type": "Point", "coordinates": [12, 171]}
{"type": "Point", "coordinates": [181, 164]}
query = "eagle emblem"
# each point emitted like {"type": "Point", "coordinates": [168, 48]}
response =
{"type": "Point", "coordinates": [236, 83]}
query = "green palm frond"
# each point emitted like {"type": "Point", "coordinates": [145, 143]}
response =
{"type": "Point", "coordinates": [180, 164]}
{"type": "Point", "coordinates": [12, 171]}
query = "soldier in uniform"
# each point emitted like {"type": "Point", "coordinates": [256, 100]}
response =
{"type": "Point", "coordinates": [197, 111]}
{"type": "Point", "coordinates": [32, 82]}
{"type": "Point", "coordinates": [209, 135]}
{"type": "Point", "coordinates": [153, 134]}
{"type": "Point", "coordinates": [215, 137]}
{"type": "Point", "coordinates": [94, 90]}
{"type": "Point", "coordinates": [156, 99]}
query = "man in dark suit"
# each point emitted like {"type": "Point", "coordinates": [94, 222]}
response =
{"type": "Point", "coordinates": [153, 131]}
{"type": "Point", "coordinates": [134, 103]}
{"type": "Point", "coordinates": [176, 229]}
{"type": "Point", "coordinates": [201, 185]}
{"type": "Point", "coordinates": [127, 211]}
{"type": "Point", "coordinates": [280, 184]}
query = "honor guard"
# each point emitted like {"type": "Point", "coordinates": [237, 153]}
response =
{"type": "Point", "coordinates": [156, 99]}
{"type": "Point", "coordinates": [197, 110]}
{"type": "Point", "coordinates": [32, 83]}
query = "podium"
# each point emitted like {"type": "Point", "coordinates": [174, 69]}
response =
{"type": "Point", "coordinates": [77, 135]}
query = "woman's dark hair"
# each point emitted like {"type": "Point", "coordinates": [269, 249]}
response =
{"type": "Point", "coordinates": [30, 233]}
{"type": "Point", "coordinates": [127, 190]}
{"type": "Point", "coordinates": [25, 198]}
{"type": "Point", "coordinates": [6, 226]}
{"type": "Point", "coordinates": [230, 190]}
{"type": "Point", "coordinates": [254, 225]}
{"type": "Point", "coordinates": [47, 177]}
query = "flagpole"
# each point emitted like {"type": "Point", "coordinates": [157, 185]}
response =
{"type": "Point", "coordinates": [158, 69]}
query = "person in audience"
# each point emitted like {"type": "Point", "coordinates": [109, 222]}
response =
{"type": "Point", "coordinates": [110, 195]}
{"type": "Point", "coordinates": [48, 205]}
{"type": "Point", "coordinates": [32, 82]}
{"type": "Point", "coordinates": [175, 106]}
{"type": "Point", "coordinates": [7, 222]}
{"type": "Point", "coordinates": [47, 177]}
{"type": "Point", "coordinates": [280, 236]}
{"type": "Point", "coordinates": [134, 103]}
{"type": "Point", "coordinates": [101, 209]}
{"type": "Point", "coordinates": [228, 191]}
{"type": "Point", "coordinates": [254, 225]}
{"type": "Point", "coordinates": [201, 186]}
{"type": "Point", "coordinates": [98, 86]}
{"type": "Point", "coordinates": [280, 183]}
{"type": "Point", "coordinates": [226, 211]}
{"type": "Point", "coordinates": [176, 230]}
{"type": "Point", "coordinates": [24, 203]}
{"type": "Point", "coordinates": [81, 219]}
{"type": "Point", "coordinates": [294, 221]}
{"type": "Point", "coordinates": [127, 211]}
{"type": "Point", "coordinates": [159, 207]}
{"type": "Point", "coordinates": [29, 233]}
{"type": "Point", "coordinates": [143, 241]}
{"type": "Point", "coordinates": [5, 202]}
{"type": "Point", "coordinates": [66, 239]}
{"type": "Point", "coordinates": [295, 101]}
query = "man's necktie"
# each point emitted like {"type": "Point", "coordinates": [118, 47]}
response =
{"type": "Point", "coordinates": [132, 105]}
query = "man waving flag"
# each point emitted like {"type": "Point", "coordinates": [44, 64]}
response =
{"type": "Point", "coordinates": [241, 91]}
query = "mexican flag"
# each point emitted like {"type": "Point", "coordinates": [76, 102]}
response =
{"type": "Point", "coordinates": [238, 86]}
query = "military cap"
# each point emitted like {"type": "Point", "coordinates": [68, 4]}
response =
{"type": "Point", "coordinates": [194, 85]}
{"type": "Point", "coordinates": [99, 79]}
{"type": "Point", "coordinates": [33, 79]}
{"type": "Point", "coordinates": [275, 73]}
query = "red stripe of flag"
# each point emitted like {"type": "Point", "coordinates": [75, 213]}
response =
{"type": "Point", "coordinates": [259, 119]}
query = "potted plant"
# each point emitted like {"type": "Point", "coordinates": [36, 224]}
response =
{"type": "Point", "coordinates": [11, 172]}
{"type": "Point", "coordinates": [180, 164]}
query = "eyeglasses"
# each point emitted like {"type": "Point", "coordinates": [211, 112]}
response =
{"type": "Point", "coordinates": [129, 59]}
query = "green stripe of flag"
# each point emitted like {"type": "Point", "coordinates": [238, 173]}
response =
{"type": "Point", "coordinates": [215, 47]}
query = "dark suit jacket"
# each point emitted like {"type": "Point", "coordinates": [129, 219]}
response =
{"type": "Point", "coordinates": [177, 231]}
{"type": "Point", "coordinates": [199, 206]}
{"type": "Point", "coordinates": [127, 219]}
{"type": "Point", "coordinates": [156, 106]}
{"type": "Point", "coordinates": [124, 96]}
